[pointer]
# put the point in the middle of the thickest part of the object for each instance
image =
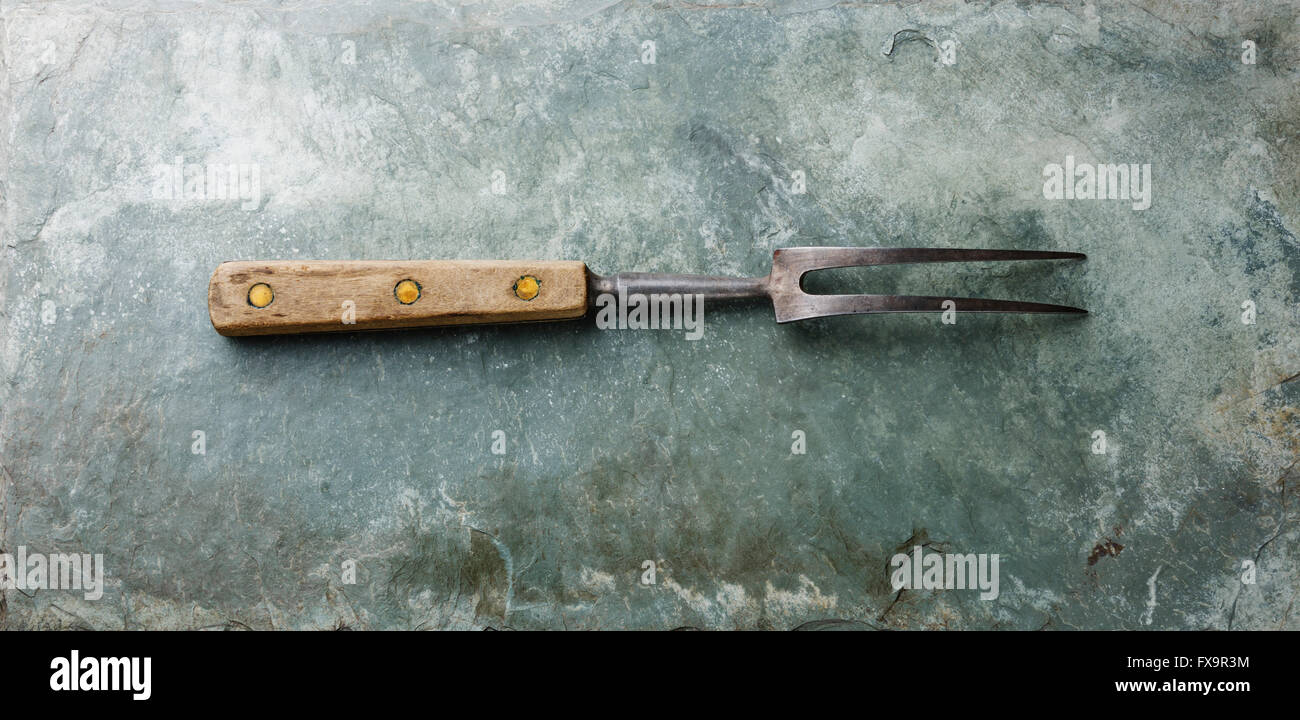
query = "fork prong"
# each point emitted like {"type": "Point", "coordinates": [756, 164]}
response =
{"type": "Point", "coordinates": [807, 307]}
{"type": "Point", "coordinates": [800, 260]}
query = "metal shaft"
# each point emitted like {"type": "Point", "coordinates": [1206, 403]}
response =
{"type": "Point", "coordinates": [710, 286]}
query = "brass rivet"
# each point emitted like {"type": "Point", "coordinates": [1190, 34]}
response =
{"type": "Point", "coordinates": [527, 287]}
{"type": "Point", "coordinates": [407, 292]}
{"type": "Point", "coordinates": [260, 295]}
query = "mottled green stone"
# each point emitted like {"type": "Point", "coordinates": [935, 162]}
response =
{"type": "Point", "coordinates": [394, 129]}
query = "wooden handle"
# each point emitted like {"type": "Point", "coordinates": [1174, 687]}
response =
{"type": "Point", "coordinates": [285, 296]}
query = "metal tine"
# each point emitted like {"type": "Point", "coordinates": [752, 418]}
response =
{"type": "Point", "coordinates": [815, 306]}
{"type": "Point", "coordinates": [806, 259]}
{"type": "Point", "coordinates": [791, 303]}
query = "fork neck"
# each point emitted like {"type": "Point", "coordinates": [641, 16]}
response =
{"type": "Point", "coordinates": [712, 287]}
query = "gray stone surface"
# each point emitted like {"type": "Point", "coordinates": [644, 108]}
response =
{"type": "Point", "coordinates": [378, 129]}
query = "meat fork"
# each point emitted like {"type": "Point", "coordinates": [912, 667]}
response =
{"type": "Point", "coordinates": [280, 297]}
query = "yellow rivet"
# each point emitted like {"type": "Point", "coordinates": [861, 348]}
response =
{"type": "Point", "coordinates": [527, 287]}
{"type": "Point", "coordinates": [407, 292]}
{"type": "Point", "coordinates": [260, 295]}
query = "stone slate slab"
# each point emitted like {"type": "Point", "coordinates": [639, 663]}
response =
{"type": "Point", "coordinates": [350, 480]}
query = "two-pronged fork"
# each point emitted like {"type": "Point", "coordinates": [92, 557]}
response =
{"type": "Point", "coordinates": [276, 297]}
